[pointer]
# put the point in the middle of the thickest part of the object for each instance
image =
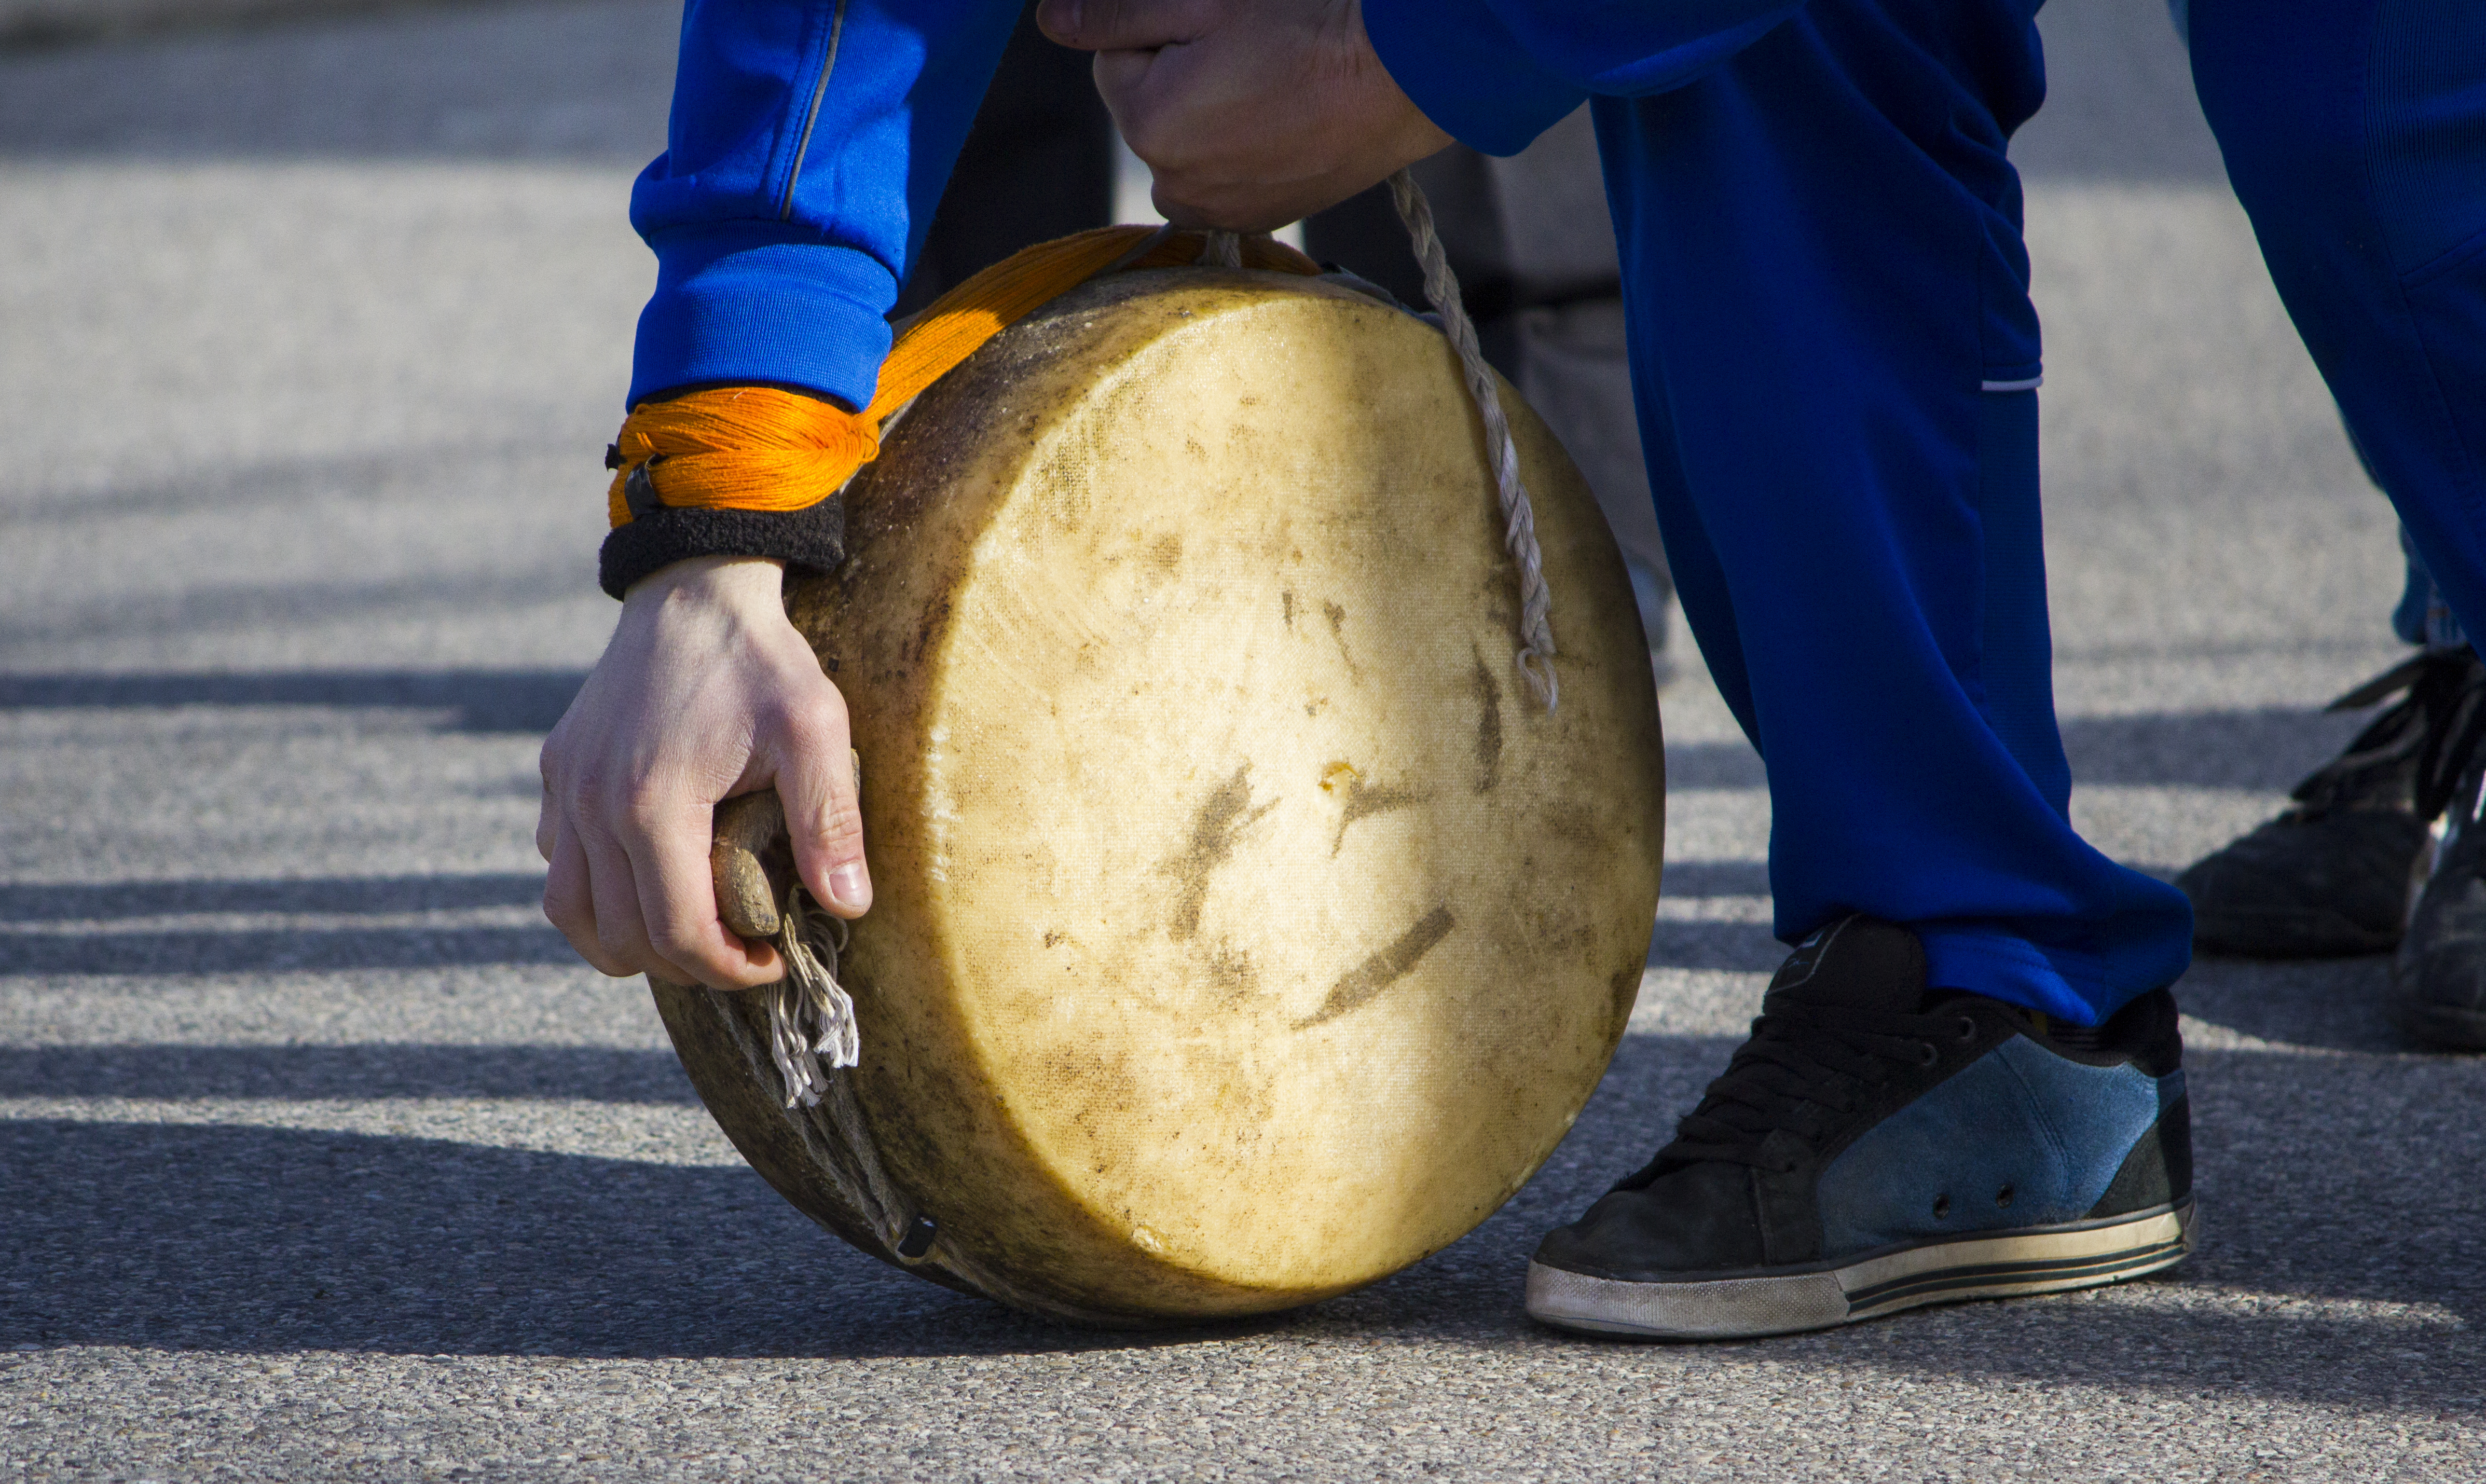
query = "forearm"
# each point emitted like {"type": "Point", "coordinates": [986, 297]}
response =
{"type": "Point", "coordinates": [809, 143]}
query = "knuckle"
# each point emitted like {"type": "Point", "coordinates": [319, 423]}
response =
{"type": "Point", "coordinates": [841, 823]}
{"type": "Point", "coordinates": [674, 940]}
{"type": "Point", "coordinates": [645, 815]}
{"type": "Point", "coordinates": [815, 717]}
{"type": "Point", "coordinates": [803, 733]}
{"type": "Point", "coordinates": [831, 706]}
{"type": "Point", "coordinates": [582, 795]}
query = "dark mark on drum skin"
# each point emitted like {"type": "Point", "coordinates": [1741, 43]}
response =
{"type": "Point", "coordinates": [934, 619]}
{"type": "Point", "coordinates": [1383, 969]}
{"type": "Point", "coordinates": [1362, 800]}
{"type": "Point", "coordinates": [1231, 970]}
{"type": "Point", "coordinates": [1488, 695]}
{"type": "Point", "coordinates": [1286, 606]}
{"type": "Point", "coordinates": [1221, 820]}
{"type": "Point", "coordinates": [1337, 617]}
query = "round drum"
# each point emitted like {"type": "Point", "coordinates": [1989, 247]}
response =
{"type": "Point", "coordinates": [1245, 930]}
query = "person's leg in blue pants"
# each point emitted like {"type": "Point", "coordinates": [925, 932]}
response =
{"type": "Point", "coordinates": [1835, 356]}
{"type": "Point", "coordinates": [1836, 359]}
{"type": "Point", "coordinates": [2355, 134]}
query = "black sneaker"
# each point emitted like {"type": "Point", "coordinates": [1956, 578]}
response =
{"type": "Point", "coordinates": [2439, 976]}
{"type": "Point", "coordinates": [1877, 1145]}
{"type": "Point", "coordinates": [2331, 876]}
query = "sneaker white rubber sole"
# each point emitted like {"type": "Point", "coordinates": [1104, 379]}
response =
{"type": "Point", "coordinates": [1991, 1265]}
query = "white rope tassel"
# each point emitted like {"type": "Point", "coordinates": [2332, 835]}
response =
{"type": "Point", "coordinates": [1519, 517]}
{"type": "Point", "coordinates": [809, 991]}
{"type": "Point", "coordinates": [1221, 250]}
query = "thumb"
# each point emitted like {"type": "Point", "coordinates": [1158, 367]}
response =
{"type": "Point", "coordinates": [824, 822]}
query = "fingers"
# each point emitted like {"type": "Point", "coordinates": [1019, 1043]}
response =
{"type": "Point", "coordinates": [1124, 25]}
{"type": "Point", "coordinates": [613, 895]}
{"type": "Point", "coordinates": [677, 905]}
{"type": "Point", "coordinates": [569, 905]}
{"type": "Point", "coordinates": [815, 781]}
{"type": "Point", "coordinates": [644, 903]}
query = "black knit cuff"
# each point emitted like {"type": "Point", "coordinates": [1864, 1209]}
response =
{"type": "Point", "coordinates": [814, 537]}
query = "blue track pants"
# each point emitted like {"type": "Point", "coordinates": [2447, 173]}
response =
{"type": "Point", "coordinates": [2355, 134]}
{"type": "Point", "coordinates": [1834, 355]}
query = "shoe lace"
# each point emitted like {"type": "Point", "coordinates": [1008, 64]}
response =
{"type": "Point", "coordinates": [1800, 1059]}
{"type": "Point", "coordinates": [2414, 751]}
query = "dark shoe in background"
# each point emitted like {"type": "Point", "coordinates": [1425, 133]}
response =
{"type": "Point", "coordinates": [2333, 876]}
{"type": "Point", "coordinates": [2439, 976]}
{"type": "Point", "coordinates": [1879, 1145]}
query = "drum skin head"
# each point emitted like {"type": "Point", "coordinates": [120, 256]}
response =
{"type": "Point", "coordinates": [1245, 932]}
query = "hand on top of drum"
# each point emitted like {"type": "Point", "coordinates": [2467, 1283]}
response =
{"type": "Point", "coordinates": [705, 692]}
{"type": "Point", "coordinates": [1251, 113]}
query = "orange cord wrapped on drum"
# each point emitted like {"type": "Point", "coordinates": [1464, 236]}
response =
{"type": "Point", "coordinates": [756, 447]}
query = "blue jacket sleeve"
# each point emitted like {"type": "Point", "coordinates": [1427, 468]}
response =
{"type": "Point", "coordinates": [1496, 73]}
{"type": "Point", "coordinates": [809, 144]}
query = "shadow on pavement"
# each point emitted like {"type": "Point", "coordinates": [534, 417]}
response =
{"type": "Point", "coordinates": [2326, 1005]}
{"type": "Point", "coordinates": [280, 951]}
{"type": "Point", "coordinates": [384, 1070]}
{"type": "Point", "coordinates": [488, 701]}
{"type": "Point", "coordinates": [2267, 749]}
{"type": "Point", "coordinates": [491, 701]}
{"type": "Point", "coordinates": [2333, 1003]}
{"type": "Point", "coordinates": [108, 901]}
{"type": "Point", "coordinates": [1686, 879]}
{"type": "Point", "coordinates": [2342, 1263]}
{"type": "Point", "coordinates": [251, 1239]}
{"type": "Point", "coordinates": [246, 607]}
{"type": "Point", "coordinates": [1736, 948]}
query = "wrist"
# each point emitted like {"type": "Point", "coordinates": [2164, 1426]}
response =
{"type": "Point", "coordinates": [1465, 71]}
{"type": "Point", "coordinates": [729, 578]}
{"type": "Point", "coordinates": [813, 538]}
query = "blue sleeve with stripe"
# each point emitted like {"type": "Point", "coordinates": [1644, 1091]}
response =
{"type": "Point", "coordinates": [809, 144]}
{"type": "Point", "coordinates": [1496, 73]}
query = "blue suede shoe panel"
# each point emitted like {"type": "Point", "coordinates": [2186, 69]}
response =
{"type": "Point", "coordinates": [2019, 1138]}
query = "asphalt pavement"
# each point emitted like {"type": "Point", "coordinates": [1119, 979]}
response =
{"type": "Point", "coordinates": [320, 1157]}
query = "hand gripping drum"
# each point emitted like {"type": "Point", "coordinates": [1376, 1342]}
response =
{"type": "Point", "coordinates": [1244, 929]}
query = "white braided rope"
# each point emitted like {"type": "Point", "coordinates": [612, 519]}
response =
{"type": "Point", "coordinates": [1519, 516]}
{"type": "Point", "coordinates": [810, 992]}
{"type": "Point", "coordinates": [813, 942]}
